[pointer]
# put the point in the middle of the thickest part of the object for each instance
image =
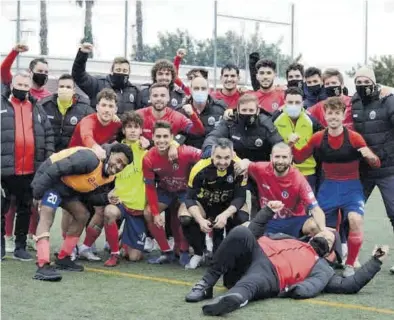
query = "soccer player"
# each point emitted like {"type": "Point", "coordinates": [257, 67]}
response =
{"type": "Point", "coordinates": [63, 180]}
{"type": "Point", "coordinates": [127, 200]}
{"type": "Point", "coordinates": [340, 151]}
{"type": "Point", "coordinates": [215, 200]}
{"type": "Point", "coordinates": [278, 180]}
{"type": "Point", "coordinates": [171, 178]}
{"type": "Point", "coordinates": [159, 97]}
{"type": "Point", "coordinates": [98, 128]}
{"type": "Point", "coordinates": [261, 267]}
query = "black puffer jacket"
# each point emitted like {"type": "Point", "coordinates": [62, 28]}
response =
{"type": "Point", "coordinates": [375, 122]}
{"type": "Point", "coordinates": [43, 136]}
{"type": "Point", "coordinates": [63, 126]}
{"type": "Point", "coordinates": [322, 277]}
{"type": "Point", "coordinates": [176, 96]}
{"type": "Point", "coordinates": [210, 117]}
{"type": "Point", "coordinates": [129, 98]}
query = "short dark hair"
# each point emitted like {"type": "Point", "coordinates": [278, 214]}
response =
{"type": "Point", "coordinates": [132, 117]}
{"type": "Point", "coordinates": [331, 72]}
{"type": "Point", "coordinates": [122, 148]}
{"type": "Point", "coordinates": [202, 71]}
{"type": "Point", "coordinates": [266, 63]}
{"type": "Point", "coordinates": [229, 66]}
{"type": "Point", "coordinates": [223, 143]}
{"type": "Point", "coordinates": [310, 72]}
{"type": "Point", "coordinates": [66, 76]}
{"type": "Point", "coordinates": [163, 65]}
{"type": "Point", "coordinates": [295, 66]}
{"type": "Point", "coordinates": [119, 60]}
{"type": "Point", "coordinates": [160, 124]}
{"type": "Point", "coordinates": [158, 85]}
{"type": "Point", "coordinates": [294, 91]}
{"type": "Point", "coordinates": [108, 94]}
{"type": "Point", "coordinates": [334, 103]}
{"type": "Point", "coordinates": [35, 61]}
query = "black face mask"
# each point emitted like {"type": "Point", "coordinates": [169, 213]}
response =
{"type": "Point", "coordinates": [119, 80]}
{"type": "Point", "coordinates": [40, 79]}
{"type": "Point", "coordinates": [19, 94]}
{"type": "Point", "coordinates": [295, 84]}
{"type": "Point", "coordinates": [314, 90]}
{"type": "Point", "coordinates": [365, 91]}
{"type": "Point", "coordinates": [334, 91]}
{"type": "Point", "coordinates": [247, 119]}
{"type": "Point", "coordinates": [320, 245]}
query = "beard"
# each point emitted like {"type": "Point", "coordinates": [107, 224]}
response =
{"type": "Point", "coordinates": [265, 86]}
{"type": "Point", "coordinates": [281, 168]}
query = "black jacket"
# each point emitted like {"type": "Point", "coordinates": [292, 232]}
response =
{"type": "Point", "coordinates": [43, 136]}
{"type": "Point", "coordinates": [375, 122]}
{"type": "Point", "coordinates": [254, 142]}
{"type": "Point", "coordinates": [64, 126]}
{"type": "Point", "coordinates": [129, 98]}
{"type": "Point", "coordinates": [210, 117]}
{"type": "Point", "coordinates": [322, 277]}
{"type": "Point", "coordinates": [176, 96]}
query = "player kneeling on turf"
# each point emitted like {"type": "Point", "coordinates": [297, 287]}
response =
{"type": "Point", "coordinates": [63, 180]}
{"type": "Point", "coordinates": [215, 200]}
{"type": "Point", "coordinates": [261, 267]}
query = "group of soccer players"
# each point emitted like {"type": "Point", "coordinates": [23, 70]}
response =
{"type": "Point", "coordinates": [140, 160]}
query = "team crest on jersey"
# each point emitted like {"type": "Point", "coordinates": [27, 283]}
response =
{"type": "Point", "coordinates": [275, 106]}
{"type": "Point", "coordinates": [211, 121]}
{"type": "Point", "coordinates": [74, 120]}
{"type": "Point", "coordinates": [372, 115]}
{"type": "Point", "coordinates": [174, 102]}
{"type": "Point", "coordinates": [131, 97]}
{"type": "Point", "coordinates": [285, 194]}
{"type": "Point", "coordinates": [175, 166]}
{"type": "Point", "coordinates": [230, 179]}
{"type": "Point", "coordinates": [258, 142]}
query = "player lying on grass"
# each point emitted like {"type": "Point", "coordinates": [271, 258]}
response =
{"type": "Point", "coordinates": [65, 179]}
{"type": "Point", "coordinates": [259, 267]}
{"type": "Point", "coordinates": [215, 200]}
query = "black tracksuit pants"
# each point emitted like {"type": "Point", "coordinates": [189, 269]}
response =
{"type": "Point", "coordinates": [19, 186]}
{"type": "Point", "coordinates": [245, 267]}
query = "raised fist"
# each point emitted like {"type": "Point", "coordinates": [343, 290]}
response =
{"type": "Point", "coordinates": [181, 53]}
{"type": "Point", "coordinates": [21, 47]}
{"type": "Point", "coordinates": [86, 47]}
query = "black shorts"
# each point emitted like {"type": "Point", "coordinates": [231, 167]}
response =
{"type": "Point", "coordinates": [213, 211]}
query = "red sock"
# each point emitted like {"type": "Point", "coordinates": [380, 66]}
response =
{"type": "Point", "coordinates": [33, 221]}
{"type": "Point", "coordinates": [68, 246]}
{"type": "Point", "coordinates": [91, 236]}
{"type": "Point", "coordinates": [9, 220]}
{"type": "Point", "coordinates": [354, 243]}
{"type": "Point", "coordinates": [112, 234]}
{"type": "Point", "coordinates": [43, 251]}
{"type": "Point", "coordinates": [160, 236]}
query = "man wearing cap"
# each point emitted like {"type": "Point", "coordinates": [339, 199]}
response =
{"type": "Point", "coordinates": [373, 117]}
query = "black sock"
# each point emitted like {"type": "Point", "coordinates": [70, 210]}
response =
{"type": "Point", "coordinates": [193, 234]}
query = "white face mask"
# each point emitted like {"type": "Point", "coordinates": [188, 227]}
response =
{"type": "Point", "coordinates": [200, 97]}
{"type": "Point", "coordinates": [293, 110]}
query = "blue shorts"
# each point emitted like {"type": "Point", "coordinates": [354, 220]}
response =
{"type": "Point", "coordinates": [51, 199]}
{"type": "Point", "coordinates": [134, 229]}
{"type": "Point", "coordinates": [346, 196]}
{"type": "Point", "coordinates": [291, 226]}
{"type": "Point", "coordinates": [169, 197]}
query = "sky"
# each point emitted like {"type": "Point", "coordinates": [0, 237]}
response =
{"type": "Point", "coordinates": [327, 33]}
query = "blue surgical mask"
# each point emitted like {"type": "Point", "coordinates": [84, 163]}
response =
{"type": "Point", "coordinates": [200, 97]}
{"type": "Point", "coordinates": [293, 110]}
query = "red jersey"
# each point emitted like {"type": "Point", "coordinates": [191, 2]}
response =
{"type": "Point", "coordinates": [270, 101]}
{"type": "Point", "coordinates": [24, 136]}
{"type": "Point", "coordinates": [169, 176]}
{"type": "Point", "coordinates": [230, 101]}
{"type": "Point", "coordinates": [334, 170]}
{"type": "Point", "coordinates": [179, 122]}
{"type": "Point", "coordinates": [317, 111]}
{"type": "Point", "coordinates": [292, 189]}
{"type": "Point", "coordinates": [89, 131]}
{"type": "Point", "coordinates": [6, 76]}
